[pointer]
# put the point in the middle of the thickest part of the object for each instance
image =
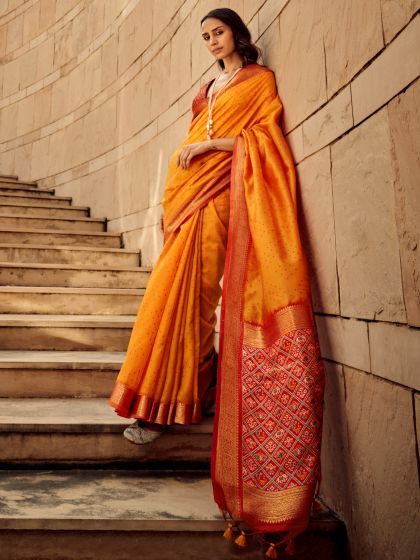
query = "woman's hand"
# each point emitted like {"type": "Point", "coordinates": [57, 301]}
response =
{"type": "Point", "coordinates": [191, 150]}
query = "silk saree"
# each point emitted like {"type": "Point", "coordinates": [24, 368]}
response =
{"type": "Point", "coordinates": [270, 377]}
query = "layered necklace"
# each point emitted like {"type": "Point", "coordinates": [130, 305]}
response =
{"type": "Point", "coordinates": [211, 99]}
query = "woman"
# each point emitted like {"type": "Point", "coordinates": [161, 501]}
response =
{"type": "Point", "coordinates": [230, 208]}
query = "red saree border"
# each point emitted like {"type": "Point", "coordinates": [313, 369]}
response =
{"type": "Point", "coordinates": [131, 405]}
{"type": "Point", "coordinates": [226, 446]}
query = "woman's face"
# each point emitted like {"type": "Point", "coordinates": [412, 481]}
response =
{"type": "Point", "coordinates": [218, 38]}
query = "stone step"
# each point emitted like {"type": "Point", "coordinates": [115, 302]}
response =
{"type": "Point", "coordinates": [13, 180]}
{"type": "Point", "coordinates": [44, 210]}
{"type": "Point", "coordinates": [72, 276]}
{"type": "Point", "coordinates": [59, 237]}
{"type": "Point", "coordinates": [67, 224]}
{"type": "Point", "coordinates": [48, 431]}
{"type": "Point", "coordinates": [34, 199]}
{"type": "Point", "coordinates": [120, 514]}
{"type": "Point", "coordinates": [24, 188]}
{"type": "Point", "coordinates": [65, 332]}
{"type": "Point", "coordinates": [58, 374]}
{"type": "Point", "coordinates": [69, 301]}
{"type": "Point", "coordinates": [19, 253]}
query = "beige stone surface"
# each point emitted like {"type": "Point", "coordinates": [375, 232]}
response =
{"type": "Point", "coordinates": [269, 42]}
{"type": "Point", "coordinates": [344, 341]}
{"type": "Point", "coordinates": [134, 35]}
{"type": "Point", "coordinates": [327, 124]}
{"type": "Point", "coordinates": [268, 13]}
{"type": "Point", "coordinates": [335, 486]}
{"type": "Point", "coordinates": [395, 353]}
{"type": "Point", "coordinates": [180, 66]}
{"type": "Point", "coordinates": [386, 76]}
{"type": "Point", "coordinates": [11, 78]}
{"type": "Point", "coordinates": [396, 14]}
{"type": "Point", "coordinates": [301, 46]}
{"type": "Point", "coordinates": [42, 109]}
{"type": "Point", "coordinates": [352, 32]}
{"type": "Point", "coordinates": [364, 209]}
{"type": "Point", "coordinates": [40, 157]}
{"type": "Point", "coordinates": [385, 491]}
{"type": "Point", "coordinates": [404, 119]}
{"type": "Point", "coordinates": [14, 34]}
{"type": "Point", "coordinates": [133, 115]}
{"type": "Point", "coordinates": [317, 229]}
{"type": "Point", "coordinates": [109, 62]}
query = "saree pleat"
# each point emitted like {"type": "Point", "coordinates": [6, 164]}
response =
{"type": "Point", "coordinates": [235, 213]}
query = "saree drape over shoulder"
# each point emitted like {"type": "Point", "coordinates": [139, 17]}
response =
{"type": "Point", "coordinates": [270, 377]}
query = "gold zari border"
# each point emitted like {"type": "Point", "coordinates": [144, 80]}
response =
{"type": "Point", "coordinates": [292, 317]}
{"type": "Point", "coordinates": [277, 507]}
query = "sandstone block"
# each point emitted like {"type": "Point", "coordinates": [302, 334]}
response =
{"type": "Point", "coordinates": [317, 229]}
{"type": "Point", "coordinates": [134, 35]}
{"type": "Point", "coordinates": [109, 62]}
{"type": "Point", "coordinates": [301, 46]}
{"type": "Point", "coordinates": [30, 23]}
{"type": "Point", "coordinates": [387, 76]}
{"type": "Point", "coordinates": [335, 486]}
{"type": "Point", "coordinates": [367, 242]}
{"type": "Point", "coordinates": [180, 73]}
{"type": "Point", "coordinates": [268, 13]}
{"type": "Point", "coordinates": [395, 353]}
{"type": "Point", "coordinates": [396, 14]}
{"type": "Point", "coordinates": [14, 33]}
{"type": "Point", "coordinates": [11, 78]}
{"type": "Point", "coordinates": [385, 494]}
{"type": "Point", "coordinates": [133, 115]}
{"type": "Point", "coordinates": [344, 341]}
{"type": "Point", "coordinates": [40, 158]}
{"type": "Point", "coordinates": [42, 107]}
{"type": "Point", "coordinates": [328, 123]}
{"type": "Point", "coordinates": [404, 120]}
{"type": "Point", "coordinates": [352, 36]}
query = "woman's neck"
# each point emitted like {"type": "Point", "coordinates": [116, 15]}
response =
{"type": "Point", "coordinates": [232, 61]}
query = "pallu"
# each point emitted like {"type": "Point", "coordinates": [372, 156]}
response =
{"type": "Point", "coordinates": [265, 463]}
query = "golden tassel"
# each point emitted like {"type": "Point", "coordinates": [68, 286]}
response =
{"type": "Point", "coordinates": [241, 540]}
{"type": "Point", "coordinates": [272, 552]}
{"type": "Point", "coordinates": [228, 534]}
{"type": "Point", "coordinates": [290, 548]}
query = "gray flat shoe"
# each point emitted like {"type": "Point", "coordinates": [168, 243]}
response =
{"type": "Point", "coordinates": [141, 435]}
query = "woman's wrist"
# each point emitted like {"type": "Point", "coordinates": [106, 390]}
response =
{"type": "Point", "coordinates": [211, 144]}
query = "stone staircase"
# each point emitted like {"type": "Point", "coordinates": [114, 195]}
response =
{"type": "Point", "coordinates": [71, 486]}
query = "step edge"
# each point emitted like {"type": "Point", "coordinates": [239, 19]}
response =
{"type": "Point", "coordinates": [69, 266]}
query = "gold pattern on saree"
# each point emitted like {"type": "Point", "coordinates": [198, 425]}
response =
{"type": "Point", "coordinates": [275, 507]}
{"type": "Point", "coordinates": [292, 317]}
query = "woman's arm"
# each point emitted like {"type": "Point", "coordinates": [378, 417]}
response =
{"type": "Point", "coordinates": [191, 150]}
{"type": "Point", "coordinates": [225, 144]}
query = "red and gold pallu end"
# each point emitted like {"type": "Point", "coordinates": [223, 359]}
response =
{"type": "Point", "coordinates": [269, 406]}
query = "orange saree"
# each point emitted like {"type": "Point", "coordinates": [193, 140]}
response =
{"type": "Point", "coordinates": [235, 212]}
{"type": "Point", "coordinates": [267, 436]}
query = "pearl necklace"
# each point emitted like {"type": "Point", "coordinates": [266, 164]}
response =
{"type": "Point", "coordinates": [209, 125]}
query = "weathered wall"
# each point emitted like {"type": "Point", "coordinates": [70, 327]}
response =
{"type": "Point", "coordinates": [96, 95]}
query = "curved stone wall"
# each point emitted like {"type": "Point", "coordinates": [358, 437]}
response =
{"type": "Point", "coordinates": [97, 94]}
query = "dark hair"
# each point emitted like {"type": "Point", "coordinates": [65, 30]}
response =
{"type": "Point", "coordinates": [241, 35]}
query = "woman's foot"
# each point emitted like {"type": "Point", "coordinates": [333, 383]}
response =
{"type": "Point", "coordinates": [142, 434]}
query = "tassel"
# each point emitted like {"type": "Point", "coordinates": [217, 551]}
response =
{"type": "Point", "coordinates": [272, 552]}
{"type": "Point", "coordinates": [241, 540]}
{"type": "Point", "coordinates": [228, 534]}
{"type": "Point", "coordinates": [290, 548]}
